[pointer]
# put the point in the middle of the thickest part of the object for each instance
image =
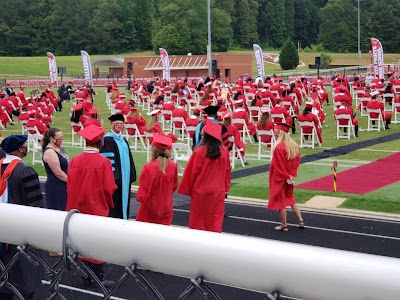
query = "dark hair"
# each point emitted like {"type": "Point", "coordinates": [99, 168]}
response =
{"type": "Point", "coordinates": [76, 114]}
{"type": "Point", "coordinates": [212, 145]}
{"type": "Point", "coordinates": [285, 93]}
{"type": "Point", "coordinates": [158, 100]}
{"type": "Point", "coordinates": [307, 110]}
{"type": "Point", "coordinates": [51, 133]}
{"type": "Point", "coordinates": [254, 101]}
{"type": "Point", "coordinates": [175, 89]}
{"type": "Point", "coordinates": [96, 145]}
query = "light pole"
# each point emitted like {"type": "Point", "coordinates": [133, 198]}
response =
{"type": "Point", "coordinates": [209, 38]}
{"type": "Point", "coordinates": [359, 50]}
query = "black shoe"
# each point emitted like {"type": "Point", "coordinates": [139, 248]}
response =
{"type": "Point", "coordinates": [356, 135]}
{"type": "Point", "coordinates": [246, 163]}
{"type": "Point", "coordinates": [387, 127]}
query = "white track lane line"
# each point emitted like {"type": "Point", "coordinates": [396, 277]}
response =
{"type": "Point", "coordinates": [75, 289]}
{"type": "Point", "coordinates": [311, 227]}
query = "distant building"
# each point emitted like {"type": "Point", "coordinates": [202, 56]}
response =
{"type": "Point", "coordinates": [190, 66]}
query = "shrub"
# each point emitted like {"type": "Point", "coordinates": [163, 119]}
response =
{"type": "Point", "coordinates": [325, 60]}
{"type": "Point", "coordinates": [289, 57]}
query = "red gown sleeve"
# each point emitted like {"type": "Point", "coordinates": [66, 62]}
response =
{"type": "Point", "coordinates": [143, 185]}
{"type": "Point", "coordinates": [228, 170]}
{"type": "Point", "coordinates": [189, 176]}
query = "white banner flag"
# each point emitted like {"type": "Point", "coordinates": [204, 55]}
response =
{"type": "Point", "coordinates": [377, 56]}
{"type": "Point", "coordinates": [259, 60]}
{"type": "Point", "coordinates": [87, 67]}
{"type": "Point", "coordinates": [165, 64]}
{"type": "Point", "coordinates": [52, 69]}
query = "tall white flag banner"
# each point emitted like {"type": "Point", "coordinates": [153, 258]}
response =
{"type": "Point", "coordinates": [52, 68]}
{"type": "Point", "coordinates": [259, 60]}
{"type": "Point", "coordinates": [165, 64]}
{"type": "Point", "coordinates": [87, 67]}
{"type": "Point", "coordinates": [377, 57]}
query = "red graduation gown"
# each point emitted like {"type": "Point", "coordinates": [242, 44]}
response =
{"type": "Point", "coordinates": [206, 181]}
{"type": "Point", "coordinates": [155, 193]}
{"type": "Point", "coordinates": [281, 193]}
{"type": "Point", "coordinates": [90, 186]}
{"type": "Point", "coordinates": [94, 196]}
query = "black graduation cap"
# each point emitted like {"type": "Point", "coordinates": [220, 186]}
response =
{"type": "Point", "coordinates": [211, 110]}
{"type": "Point", "coordinates": [13, 142]}
{"type": "Point", "coordinates": [117, 117]}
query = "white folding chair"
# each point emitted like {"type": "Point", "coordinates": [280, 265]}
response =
{"type": "Point", "coordinates": [387, 98]}
{"type": "Point", "coordinates": [348, 128]}
{"type": "Point", "coordinates": [363, 108]}
{"type": "Point", "coordinates": [34, 144]}
{"type": "Point", "coordinates": [22, 122]}
{"type": "Point", "coordinates": [308, 140]}
{"type": "Point", "coordinates": [244, 131]}
{"type": "Point", "coordinates": [378, 120]}
{"type": "Point", "coordinates": [148, 136]}
{"type": "Point", "coordinates": [275, 117]}
{"type": "Point", "coordinates": [235, 152]}
{"type": "Point", "coordinates": [396, 114]}
{"type": "Point", "coordinates": [137, 136]}
{"type": "Point", "coordinates": [80, 139]}
{"type": "Point", "coordinates": [181, 129]}
{"type": "Point", "coordinates": [164, 120]}
{"type": "Point", "coordinates": [181, 155]}
{"type": "Point", "coordinates": [255, 113]}
{"type": "Point", "coordinates": [265, 149]}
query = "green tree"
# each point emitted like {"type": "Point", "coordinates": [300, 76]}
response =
{"type": "Point", "coordinates": [338, 26]}
{"type": "Point", "coordinates": [245, 23]}
{"type": "Point", "coordinates": [288, 57]}
{"type": "Point", "coordinates": [289, 18]}
{"type": "Point", "coordinates": [275, 22]}
{"type": "Point", "coordinates": [143, 12]}
{"type": "Point", "coordinates": [325, 60]}
{"type": "Point", "coordinates": [221, 31]}
{"type": "Point", "coordinates": [173, 39]}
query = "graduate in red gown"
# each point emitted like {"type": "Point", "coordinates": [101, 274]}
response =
{"type": "Point", "coordinates": [157, 183]}
{"type": "Point", "coordinates": [94, 197]}
{"type": "Point", "coordinates": [207, 179]}
{"type": "Point", "coordinates": [284, 165]}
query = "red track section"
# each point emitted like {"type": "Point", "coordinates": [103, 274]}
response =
{"type": "Point", "coordinates": [360, 180]}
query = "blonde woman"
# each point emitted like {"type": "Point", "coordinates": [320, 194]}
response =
{"type": "Point", "coordinates": [284, 165]}
{"type": "Point", "coordinates": [157, 183]}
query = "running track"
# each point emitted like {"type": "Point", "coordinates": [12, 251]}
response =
{"type": "Point", "coordinates": [359, 234]}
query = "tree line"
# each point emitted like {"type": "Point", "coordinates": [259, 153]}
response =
{"type": "Point", "coordinates": [64, 27]}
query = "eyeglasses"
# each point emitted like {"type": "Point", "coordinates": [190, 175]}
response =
{"type": "Point", "coordinates": [24, 147]}
{"type": "Point", "coordinates": [119, 124]}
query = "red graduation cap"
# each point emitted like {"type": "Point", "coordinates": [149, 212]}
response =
{"type": "Point", "coordinates": [93, 111]}
{"type": "Point", "coordinates": [282, 126]}
{"type": "Point", "coordinates": [161, 141]}
{"type": "Point", "coordinates": [77, 107]}
{"type": "Point", "coordinates": [213, 129]}
{"type": "Point", "coordinates": [92, 133]}
{"type": "Point", "coordinates": [226, 115]}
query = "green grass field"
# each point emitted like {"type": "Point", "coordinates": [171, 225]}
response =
{"type": "Point", "coordinates": [256, 186]}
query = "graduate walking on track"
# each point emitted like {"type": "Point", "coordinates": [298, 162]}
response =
{"type": "Point", "coordinates": [207, 179]}
{"type": "Point", "coordinates": [90, 188]}
{"type": "Point", "coordinates": [284, 165]}
{"type": "Point", "coordinates": [157, 183]}
{"type": "Point", "coordinates": [116, 148]}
